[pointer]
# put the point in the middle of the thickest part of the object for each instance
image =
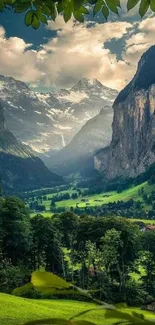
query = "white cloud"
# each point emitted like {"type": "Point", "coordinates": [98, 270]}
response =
{"type": "Point", "coordinates": [77, 51]}
{"type": "Point", "coordinates": [140, 41]}
{"type": "Point", "coordinates": [17, 59]}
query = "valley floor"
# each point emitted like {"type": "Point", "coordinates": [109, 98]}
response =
{"type": "Point", "coordinates": [96, 200]}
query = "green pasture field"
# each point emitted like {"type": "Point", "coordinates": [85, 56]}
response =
{"type": "Point", "coordinates": [16, 311]}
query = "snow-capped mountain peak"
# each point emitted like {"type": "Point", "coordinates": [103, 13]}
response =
{"type": "Point", "coordinates": [47, 121]}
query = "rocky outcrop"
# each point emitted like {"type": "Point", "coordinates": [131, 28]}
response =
{"type": "Point", "coordinates": [20, 169]}
{"type": "Point", "coordinates": [132, 149]}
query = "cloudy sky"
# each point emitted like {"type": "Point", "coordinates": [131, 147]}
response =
{"type": "Point", "coordinates": [60, 54]}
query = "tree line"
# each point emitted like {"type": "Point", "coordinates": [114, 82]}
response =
{"type": "Point", "coordinates": [93, 253]}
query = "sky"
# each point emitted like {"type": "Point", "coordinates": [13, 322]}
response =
{"type": "Point", "coordinates": [60, 54]}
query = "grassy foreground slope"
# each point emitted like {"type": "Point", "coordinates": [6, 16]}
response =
{"type": "Point", "coordinates": [15, 311]}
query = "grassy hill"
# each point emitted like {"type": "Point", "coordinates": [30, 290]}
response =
{"type": "Point", "coordinates": [15, 311]}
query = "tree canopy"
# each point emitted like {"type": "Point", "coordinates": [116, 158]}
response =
{"type": "Point", "coordinates": [38, 11]}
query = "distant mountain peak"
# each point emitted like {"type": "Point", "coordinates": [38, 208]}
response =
{"type": "Point", "coordinates": [84, 84]}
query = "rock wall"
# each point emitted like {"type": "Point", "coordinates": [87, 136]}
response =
{"type": "Point", "coordinates": [132, 149]}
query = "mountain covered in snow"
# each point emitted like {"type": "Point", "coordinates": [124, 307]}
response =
{"type": "Point", "coordinates": [48, 121]}
{"type": "Point", "coordinates": [20, 169]}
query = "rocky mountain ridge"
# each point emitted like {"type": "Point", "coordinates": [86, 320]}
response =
{"type": "Point", "coordinates": [132, 149]}
{"type": "Point", "coordinates": [20, 169]}
{"type": "Point", "coordinates": [49, 121]}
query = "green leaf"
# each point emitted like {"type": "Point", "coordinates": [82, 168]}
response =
{"type": "Point", "coordinates": [45, 10]}
{"type": "Point", "coordinates": [144, 6]}
{"type": "Point", "coordinates": [152, 5]}
{"type": "Point", "coordinates": [116, 3]}
{"type": "Point", "coordinates": [43, 280]}
{"type": "Point", "coordinates": [41, 17]}
{"type": "Point", "coordinates": [105, 11]}
{"type": "Point", "coordinates": [53, 12]}
{"type": "Point", "coordinates": [21, 8]}
{"type": "Point", "coordinates": [78, 16]}
{"type": "Point", "coordinates": [21, 290]}
{"type": "Point", "coordinates": [84, 10]}
{"type": "Point", "coordinates": [112, 6]}
{"type": "Point", "coordinates": [59, 321]}
{"type": "Point", "coordinates": [9, 2]}
{"type": "Point", "coordinates": [2, 5]}
{"type": "Point", "coordinates": [131, 4]}
{"type": "Point", "coordinates": [52, 8]}
{"type": "Point", "coordinates": [77, 4]}
{"type": "Point", "coordinates": [35, 21]}
{"type": "Point", "coordinates": [68, 12]}
{"type": "Point", "coordinates": [28, 18]}
{"type": "Point", "coordinates": [60, 6]}
{"type": "Point", "coordinates": [97, 7]}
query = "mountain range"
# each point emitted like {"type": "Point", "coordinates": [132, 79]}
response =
{"type": "Point", "coordinates": [71, 129]}
{"type": "Point", "coordinates": [47, 122]}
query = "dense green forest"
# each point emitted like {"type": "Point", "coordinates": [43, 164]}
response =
{"type": "Point", "coordinates": [108, 254]}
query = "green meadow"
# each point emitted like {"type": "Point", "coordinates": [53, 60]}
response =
{"type": "Point", "coordinates": [16, 311]}
{"type": "Point", "coordinates": [98, 199]}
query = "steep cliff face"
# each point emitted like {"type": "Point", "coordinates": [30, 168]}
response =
{"type": "Point", "coordinates": [20, 169]}
{"type": "Point", "coordinates": [132, 148]}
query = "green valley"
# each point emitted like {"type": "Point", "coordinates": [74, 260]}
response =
{"type": "Point", "coordinates": [80, 200]}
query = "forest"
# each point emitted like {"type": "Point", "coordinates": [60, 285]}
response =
{"type": "Point", "coordinates": [108, 254]}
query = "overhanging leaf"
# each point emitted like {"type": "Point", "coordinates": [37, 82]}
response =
{"type": "Point", "coordinates": [112, 6]}
{"type": "Point", "coordinates": [21, 290]}
{"type": "Point", "coordinates": [97, 7]}
{"type": "Point", "coordinates": [152, 5]}
{"type": "Point", "coordinates": [35, 23]}
{"type": "Point", "coordinates": [28, 17]}
{"type": "Point", "coordinates": [105, 11]}
{"type": "Point", "coordinates": [144, 6]}
{"type": "Point", "coordinates": [77, 4]}
{"type": "Point", "coordinates": [68, 12]}
{"type": "Point", "coordinates": [42, 280]}
{"type": "Point", "coordinates": [78, 16]}
{"type": "Point", "coordinates": [131, 4]}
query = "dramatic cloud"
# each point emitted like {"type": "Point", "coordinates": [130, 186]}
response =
{"type": "Point", "coordinates": [17, 60]}
{"type": "Point", "coordinates": [77, 51]}
{"type": "Point", "coordinates": [138, 43]}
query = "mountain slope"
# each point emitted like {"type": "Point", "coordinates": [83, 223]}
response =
{"type": "Point", "coordinates": [47, 122]}
{"type": "Point", "coordinates": [78, 154]}
{"type": "Point", "coordinates": [20, 169]}
{"type": "Point", "coordinates": [132, 149]}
